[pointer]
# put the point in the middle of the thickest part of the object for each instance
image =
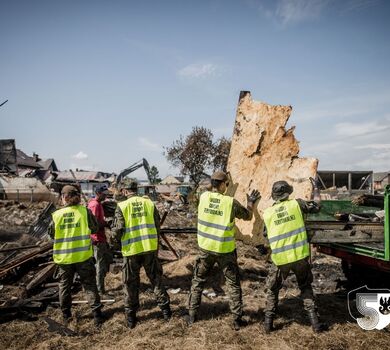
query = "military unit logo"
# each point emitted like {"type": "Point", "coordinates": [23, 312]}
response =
{"type": "Point", "coordinates": [370, 307]}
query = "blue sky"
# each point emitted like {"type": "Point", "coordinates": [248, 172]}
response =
{"type": "Point", "coordinates": [102, 84]}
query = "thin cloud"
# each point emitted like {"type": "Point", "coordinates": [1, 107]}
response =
{"type": "Point", "coordinates": [375, 146]}
{"type": "Point", "coordinates": [375, 162]}
{"type": "Point", "coordinates": [295, 11]}
{"type": "Point", "coordinates": [359, 129]}
{"type": "Point", "coordinates": [198, 71]}
{"type": "Point", "coordinates": [80, 156]}
{"type": "Point", "coordinates": [323, 148]}
{"type": "Point", "coordinates": [292, 11]}
{"type": "Point", "coordinates": [149, 144]}
{"type": "Point", "coordinates": [357, 5]}
{"type": "Point", "coordinates": [357, 146]}
{"type": "Point", "coordinates": [346, 107]}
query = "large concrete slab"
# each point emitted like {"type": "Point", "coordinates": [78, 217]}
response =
{"type": "Point", "coordinates": [263, 152]}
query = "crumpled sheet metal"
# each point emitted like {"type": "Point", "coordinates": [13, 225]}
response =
{"type": "Point", "coordinates": [263, 152]}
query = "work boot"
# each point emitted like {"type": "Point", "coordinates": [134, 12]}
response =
{"type": "Point", "coordinates": [317, 326]}
{"type": "Point", "coordinates": [131, 320]}
{"type": "Point", "coordinates": [268, 324]}
{"type": "Point", "coordinates": [66, 316]}
{"type": "Point", "coordinates": [191, 318]}
{"type": "Point", "coordinates": [167, 313]}
{"type": "Point", "coordinates": [238, 322]}
{"type": "Point", "coordinates": [98, 317]}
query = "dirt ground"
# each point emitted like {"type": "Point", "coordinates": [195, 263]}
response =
{"type": "Point", "coordinates": [213, 331]}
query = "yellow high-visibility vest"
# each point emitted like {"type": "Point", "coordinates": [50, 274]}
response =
{"type": "Point", "coordinates": [72, 237]}
{"type": "Point", "coordinates": [140, 232]}
{"type": "Point", "coordinates": [215, 228]}
{"type": "Point", "coordinates": [286, 232]}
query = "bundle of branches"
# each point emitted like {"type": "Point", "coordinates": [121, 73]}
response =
{"type": "Point", "coordinates": [369, 200]}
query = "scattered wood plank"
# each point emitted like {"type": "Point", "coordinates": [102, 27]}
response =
{"type": "Point", "coordinates": [42, 276]}
{"type": "Point", "coordinates": [25, 258]}
{"type": "Point", "coordinates": [23, 247]}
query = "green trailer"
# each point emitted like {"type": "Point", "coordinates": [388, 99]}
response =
{"type": "Point", "coordinates": [363, 247]}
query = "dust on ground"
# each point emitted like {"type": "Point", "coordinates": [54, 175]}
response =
{"type": "Point", "coordinates": [213, 331]}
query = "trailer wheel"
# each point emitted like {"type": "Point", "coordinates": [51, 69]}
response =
{"type": "Point", "coordinates": [359, 275]}
{"type": "Point", "coordinates": [354, 279]}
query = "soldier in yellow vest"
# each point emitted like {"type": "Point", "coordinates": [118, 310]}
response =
{"type": "Point", "coordinates": [287, 237]}
{"type": "Point", "coordinates": [216, 215]}
{"type": "Point", "coordinates": [71, 228]}
{"type": "Point", "coordinates": [137, 225]}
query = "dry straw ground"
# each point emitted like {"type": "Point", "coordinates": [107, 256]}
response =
{"type": "Point", "coordinates": [213, 331]}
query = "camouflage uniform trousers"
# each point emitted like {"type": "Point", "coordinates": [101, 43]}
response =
{"type": "Point", "coordinates": [87, 273]}
{"type": "Point", "coordinates": [227, 262]}
{"type": "Point", "coordinates": [131, 280]}
{"type": "Point", "coordinates": [277, 274]}
{"type": "Point", "coordinates": [103, 258]}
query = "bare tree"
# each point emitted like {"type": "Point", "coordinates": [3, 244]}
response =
{"type": "Point", "coordinates": [221, 153]}
{"type": "Point", "coordinates": [193, 154]}
{"type": "Point", "coordinates": [196, 153]}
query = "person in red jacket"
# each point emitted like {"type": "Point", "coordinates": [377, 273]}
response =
{"type": "Point", "coordinates": [101, 249]}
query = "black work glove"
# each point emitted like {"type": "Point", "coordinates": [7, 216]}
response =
{"type": "Point", "coordinates": [262, 249]}
{"type": "Point", "coordinates": [254, 196]}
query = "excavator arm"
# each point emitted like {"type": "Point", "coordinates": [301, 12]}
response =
{"type": "Point", "coordinates": [141, 163]}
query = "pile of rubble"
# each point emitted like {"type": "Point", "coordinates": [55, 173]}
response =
{"type": "Point", "coordinates": [16, 218]}
{"type": "Point", "coordinates": [25, 257]}
{"type": "Point", "coordinates": [27, 273]}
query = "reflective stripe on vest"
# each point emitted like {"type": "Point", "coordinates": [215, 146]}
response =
{"type": "Point", "coordinates": [140, 232]}
{"type": "Point", "coordinates": [286, 232]}
{"type": "Point", "coordinates": [215, 230]}
{"type": "Point", "coordinates": [72, 240]}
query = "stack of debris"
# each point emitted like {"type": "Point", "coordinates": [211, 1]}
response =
{"type": "Point", "coordinates": [26, 266]}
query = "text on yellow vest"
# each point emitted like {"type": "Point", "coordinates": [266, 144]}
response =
{"type": "Point", "coordinates": [72, 240]}
{"type": "Point", "coordinates": [215, 226]}
{"type": "Point", "coordinates": [286, 232]}
{"type": "Point", "coordinates": [140, 234]}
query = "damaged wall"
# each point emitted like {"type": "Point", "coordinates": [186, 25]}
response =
{"type": "Point", "coordinates": [263, 152]}
{"type": "Point", "coordinates": [25, 189]}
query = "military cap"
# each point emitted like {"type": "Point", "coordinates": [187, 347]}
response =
{"type": "Point", "coordinates": [281, 190]}
{"type": "Point", "coordinates": [68, 189]}
{"type": "Point", "coordinates": [219, 175]}
{"type": "Point", "coordinates": [102, 189]}
{"type": "Point", "coordinates": [132, 186]}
